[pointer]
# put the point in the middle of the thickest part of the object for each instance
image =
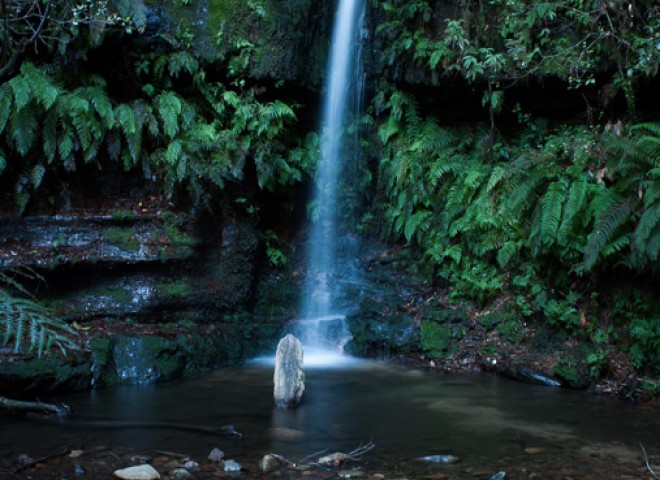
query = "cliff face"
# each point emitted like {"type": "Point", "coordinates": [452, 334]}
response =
{"type": "Point", "coordinates": [278, 40]}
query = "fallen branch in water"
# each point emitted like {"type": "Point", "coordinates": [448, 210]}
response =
{"type": "Point", "coordinates": [327, 462]}
{"type": "Point", "coordinates": [20, 406]}
{"type": "Point", "coordinates": [335, 460]}
{"type": "Point", "coordinates": [646, 459]}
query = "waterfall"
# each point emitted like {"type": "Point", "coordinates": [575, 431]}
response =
{"type": "Point", "coordinates": [321, 327]}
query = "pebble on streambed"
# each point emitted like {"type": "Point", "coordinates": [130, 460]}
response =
{"type": "Point", "coordinates": [139, 472]}
{"type": "Point", "coordinates": [447, 459]}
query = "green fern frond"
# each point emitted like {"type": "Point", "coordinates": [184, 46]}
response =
{"type": "Point", "coordinates": [79, 113]}
{"type": "Point", "coordinates": [66, 142]}
{"type": "Point", "coordinates": [125, 117]}
{"type": "Point", "coordinates": [442, 167]}
{"type": "Point", "coordinates": [616, 245]}
{"type": "Point", "coordinates": [132, 128]}
{"type": "Point", "coordinates": [649, 224]}
{"type": "Point", "coordinates": [652, 249]}
{"type": "Point", "coordinates": [26, 321]}
{"type": "Point", "coordinates": [24, 128]}
{"type": "Point", "coordinates": [507, 252]}
{"type": "Point", "coordinates": [37, 175]}
{"type": "Point", "coordinates": [6, 105]}
{"type": "Point", "coordinates": [607, 223]}
{"type": "Point", "coordinates": [523, 195]}
{"type": "Point", "coordinates": [173, 152]}
{"type": "Point", "coordinates": [188, 115]}
{"type": "Point", "coordinates": [21, 90]}
{"type": "Point", "coordinates": [416, 224]}
{"type": "Point", "coordinates": [577, 197]}
{"type": "Point", "coordinates": [98, 98]}
{"type": "Point", "coordinates": [169, 110]}
{"type": "Point", "coordinates": [499, 173]}
{"type": "Point", "coordinates": [389, 130]}
{"type": "Point", "coordinates": [651, 128]}
{"type": "Point", "coordinates": [551, 211]}
{"type": "Point", "coordinates": [181, 61]}
{"type": "Point", "coordinates": [42, 89]}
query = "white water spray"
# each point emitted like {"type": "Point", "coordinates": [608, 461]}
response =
{"type": "Point", "coordinates": [321, 328]}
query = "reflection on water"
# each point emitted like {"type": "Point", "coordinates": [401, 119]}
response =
{"type": "Point", "coordinates": [407, 414]}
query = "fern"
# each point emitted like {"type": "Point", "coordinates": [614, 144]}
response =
{"type": "Point", "coordinates": [99, 100]}
{"type": "Point", "coordinates": [507, 252]}
{"type": "Point", "coordinates": [66, 143]}
{"type": "Point", "coordinates": [575, 202]}
{"type": "Point", "coordinates": [43, 91]}
{"type": "Point", "coordinates": [551, 212]}
{"type": "Point", "coordinates": [181, 61]}
{"type": "Point", "coordinates": [131, 128]}
{"type": "Point", "coordinates": [607, 223]}
{"type": "Point", "coordinates": [416, 224]}
{"type": "Point", "coordinates": [21, 90]}
{"type": "Point", "coordinates": [646, 230]}
{"type": "Point", "coordinates": [37, 175]}
{"type": "Point", "coordinates": [6, 105]}
{"type": "Point", "coordinates": [498, 174]}
{"type": "Point", "coordinates": [169, 109]}
{"type": "Point", "coordinates": [24, 128]}
{"type": "Point", "coordinates": [24, 320]}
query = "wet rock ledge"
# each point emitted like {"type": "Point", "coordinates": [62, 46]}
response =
{"type": "Point", "coordinates": [152, 293]}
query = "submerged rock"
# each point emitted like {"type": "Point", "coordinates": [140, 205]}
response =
{"type": "Point", "coordinates": [140, 472]}
{"type": "Point", "coordinates": [181, 474]}
{"type": "Point", "coordinates": [289, 378]}
{"type": "Point", "coordinates": [232, 466]}
{"type": "Point", "coordinates": [216, 455]}
{"type": "Point", "coordinates": [287, 434]}
{"type": "Point", "coordinates": [270, 462]}
{"type": "Point", "coordinates": [191, 465]}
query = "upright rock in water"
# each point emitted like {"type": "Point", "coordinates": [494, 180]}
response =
{"type": "Point", "coordinates": [289, 379]}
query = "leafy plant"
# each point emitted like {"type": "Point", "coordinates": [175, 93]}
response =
{"type": "Point", "coordinates": [24, 322]}
{"type": "Point", "coordinates": [275, 255]}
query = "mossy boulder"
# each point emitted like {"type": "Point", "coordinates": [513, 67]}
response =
{"type": "Point", "coordinates": [379, 337]}
{"type": "Point", "coordinates": [29, 376]}
{"type": "Point", "coordinates": [573, 369]}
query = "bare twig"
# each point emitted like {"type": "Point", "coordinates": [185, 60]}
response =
{"type": "Point", "coordinates": [31, 463]}
{"type": "Point", "coordinates": [646, 459]}
{"type": "Point", "coordinates": [335, 460]}
{"type": "Point", "coordinates": [360, 450]}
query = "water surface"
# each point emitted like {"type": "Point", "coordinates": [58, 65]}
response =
{"type": "Point", "coordinates": [485, 420]}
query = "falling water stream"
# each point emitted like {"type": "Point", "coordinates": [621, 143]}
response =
{"type": "Point", "coordinates": [322, 329]}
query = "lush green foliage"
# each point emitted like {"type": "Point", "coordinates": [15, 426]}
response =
{"type": "Point", "coordinates": [541, 213]}
{"type": "Point", "coordinates": [504, 41]}
{"type": "Point", "coordinates": [553, 210]}
{"type": "Point", "coordinates": [24, 321]}
{"type": "Point", "coordinates": [197, 138]}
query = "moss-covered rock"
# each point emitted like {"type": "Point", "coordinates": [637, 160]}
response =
{"type": "Point", "coordinates": [274, 39]}
{"type": "Point", "coordinates": [26, 377]}
{"type": "Point", "coordinates": [573, 368]}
